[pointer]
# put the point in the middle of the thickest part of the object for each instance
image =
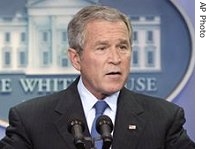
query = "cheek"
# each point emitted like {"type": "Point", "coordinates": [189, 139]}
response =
{"type": "Point", "coordinates": [127, 61]}
{"type": "Point", "coordinates": [92, 66]}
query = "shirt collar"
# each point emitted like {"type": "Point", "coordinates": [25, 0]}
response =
{"type": "Point", "coordinates": [88, 99]}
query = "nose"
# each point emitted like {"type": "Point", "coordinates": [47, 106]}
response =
{"type": "Point", "coordinates": [114, 56]}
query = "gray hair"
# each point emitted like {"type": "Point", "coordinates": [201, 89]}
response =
{"type": "Point", "coordinates": [76, 27]}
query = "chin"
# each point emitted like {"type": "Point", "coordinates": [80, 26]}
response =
{"type": "Point", "coordinates": [114, 89]}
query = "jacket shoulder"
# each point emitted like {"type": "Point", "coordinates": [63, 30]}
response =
{"type": "Point", "coordinates": [38, 107]}
{"type": "Point", "coordinates": [151, 103]}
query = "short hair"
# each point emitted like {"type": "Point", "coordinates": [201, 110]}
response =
{"type": "Point", "coordinates": [77, 26]}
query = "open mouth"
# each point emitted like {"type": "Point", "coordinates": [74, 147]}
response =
{"type": "Point", "coordinates": [113, 73]}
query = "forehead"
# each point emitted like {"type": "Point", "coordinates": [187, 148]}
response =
{"type": "Point", "coordinates": [103, 28]}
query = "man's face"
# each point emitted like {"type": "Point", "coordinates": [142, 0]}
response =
{"type": "Point", "coordinates": [105, 60]}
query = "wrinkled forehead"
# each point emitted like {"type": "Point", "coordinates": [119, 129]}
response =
{"type": "Point", "coordinates": [107, 29]}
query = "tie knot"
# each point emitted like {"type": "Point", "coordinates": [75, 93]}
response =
{"type": "Point", "coordinates": [100, 107]}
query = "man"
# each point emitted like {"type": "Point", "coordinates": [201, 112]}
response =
{"type": "Point", "coordinates": [100, 41]}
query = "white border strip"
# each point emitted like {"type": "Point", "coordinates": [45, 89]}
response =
{"type": "Point", "coordinates": [202, 79]}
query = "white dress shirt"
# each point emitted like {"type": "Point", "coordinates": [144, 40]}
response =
{"type": "Point", "coordinates": [89, 100]}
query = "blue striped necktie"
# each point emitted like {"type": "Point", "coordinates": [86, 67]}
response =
{"type": "Point", "coordinates": [100, 107]}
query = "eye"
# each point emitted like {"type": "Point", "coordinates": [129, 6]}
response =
{"type": "Point", "coordinates": [101, 48]}
{"type": "Point", "coordinates": [123, 47]}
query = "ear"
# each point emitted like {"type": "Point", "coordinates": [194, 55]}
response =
{"type": "Point", "coordinates": [74, 58]}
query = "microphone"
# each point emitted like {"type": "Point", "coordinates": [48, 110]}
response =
{"type": "Point", "coordinates": [104, 126]}
{"type": "Point", "coordinates": [77, 127]}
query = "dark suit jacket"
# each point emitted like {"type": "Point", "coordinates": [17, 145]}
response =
{"type": "Point", "coordinates": [41, 123]}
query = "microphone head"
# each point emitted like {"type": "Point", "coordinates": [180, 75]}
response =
{"type": "Point", "coordinates": [73, 122]}
{"type": "Point", "coordinates": [104, 120]}
{"type": "Point", "coordinates": [77, 127]}
{"type": "Point", "coordinates": [104, 126]}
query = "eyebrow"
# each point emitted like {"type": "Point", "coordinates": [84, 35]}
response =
{"type": "Point", "coordinates": [102, 43]}
{"type": "Point", "coordinates": [106, 42]}
{"type": "Point", "coordinates": [122, 41]}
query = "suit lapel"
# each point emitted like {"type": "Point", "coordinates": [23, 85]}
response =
{"type": "Point", "coordinates": [68, 108]}
{"type": "Point", "coordinates": [129, 123]}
